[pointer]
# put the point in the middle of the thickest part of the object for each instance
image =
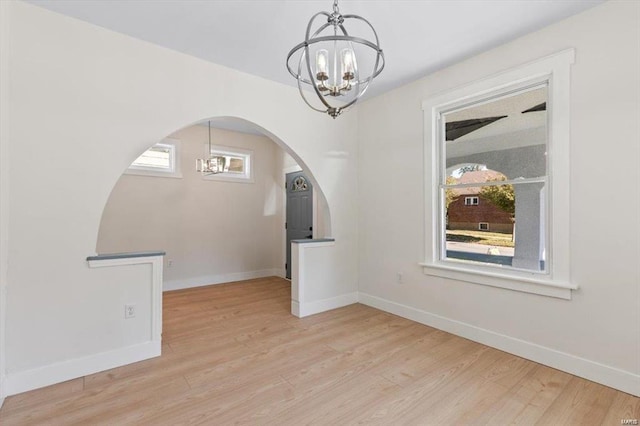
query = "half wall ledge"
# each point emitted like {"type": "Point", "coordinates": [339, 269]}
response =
{"type": "Point", "coordinates": [155, 258]}
{"type": "Point", "coordinates": [126, 255]}
{"type": "Point", "coordinates": [154, 295]}
{"type": "Point", "coordinates": [317, 240]}
{"type": "Point", "coordinates": [315, 287]}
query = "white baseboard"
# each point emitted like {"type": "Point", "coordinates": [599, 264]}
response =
{"type": "Point", "coordinates": [305, 309]}
{"type": "Point", "coordinates": [169, 285]}
{"type": "Point", "coordinates": [24, 381]}
{"type": "Point", "coordinates": [590, 370]}
{"type": "Point", "coordinates": [295, 308]}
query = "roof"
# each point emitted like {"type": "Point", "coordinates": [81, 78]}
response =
{"type": "Point", "coordinates": [478, 176]}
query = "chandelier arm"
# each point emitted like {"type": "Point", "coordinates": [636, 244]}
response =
{"type": "Point", "coordinates": [378, 49]}
{"type": "Point", "coordinates": [292, 72]}
{"type": "Point", "coordinates": [357, 72]}
{"type": "Point", "coordinates": [298, 76]}
{"type": "Point", "coordinates": [315, 86]}
{"type": "Point", "coordinates": [353, 101]}
{"type": "Point", "coordinates": [307, 102]}
{"type": "Point", "coordinates": [305, 43]}
{"type": "Point", "coordinates": [375, 34]}
{"type": "Point", "coordinates": [344, 38]}
{"type": "Point", "coordinates": [379, 62]}
{"type": "Point", "coordinates": [318, 31]}
{"type": "Point", "coordinates": [304, 98]}
{"type": "Point", "coordinates": [310, 24]}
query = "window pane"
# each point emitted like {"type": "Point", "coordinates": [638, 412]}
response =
{"type": "Point", "coordinates": [507, 135]}
{"type": "Point", "coordinates": [156, 157]}
{"type": "Point", "coordinates": [506, 227]}
{"type": "Point", "coordinates": [236, 164]}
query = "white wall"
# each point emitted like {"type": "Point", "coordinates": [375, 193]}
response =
{"type": "Point", "coordinates": [84, 102]}
{"type": "Point", "coordinates": [212, 231]}
{"type": "Point", "coordinates": [4, 182]}
{"type": "Point", "coordinates": [597, 334]}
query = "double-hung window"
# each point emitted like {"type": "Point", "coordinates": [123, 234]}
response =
{"type": "Point", "coordinates": [502, 146]}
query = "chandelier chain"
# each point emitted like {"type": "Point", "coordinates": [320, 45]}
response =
{"type": "Point", "coordinates": [335, 6]}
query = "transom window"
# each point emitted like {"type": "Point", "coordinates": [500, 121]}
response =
{"type": "Point", "coordinates": [238, 164]}
{"type": "Point", "coordinates": [161, 160]}
{"type": "Point", "coordinates": [490, 145]}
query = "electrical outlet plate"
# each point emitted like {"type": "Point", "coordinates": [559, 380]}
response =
{"type": "Point", "coordinates": [129, 311]}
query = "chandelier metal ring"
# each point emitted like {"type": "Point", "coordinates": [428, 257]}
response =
{"type": "Point", "coordinates": [349, 86]}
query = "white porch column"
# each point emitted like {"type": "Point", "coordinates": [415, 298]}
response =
{"type": "Point", "coordinates": [529, 237]}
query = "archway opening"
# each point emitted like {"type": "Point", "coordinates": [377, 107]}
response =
{"type": "Point", "coordinates": [214, 229]}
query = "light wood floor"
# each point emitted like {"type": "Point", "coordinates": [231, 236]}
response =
{"type": "Point", "coordinates": [233, 354]}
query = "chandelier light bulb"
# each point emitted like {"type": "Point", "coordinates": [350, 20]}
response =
{"type": "Point", "coordinates": [348, 69]}
{"type": "Point", "coordinates": [322, 68]}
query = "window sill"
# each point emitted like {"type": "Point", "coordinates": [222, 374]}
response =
{"type": "Point", "coordinates": [534, 284]}
{"type": "Point", "coordinates": [220, 177]}
{"type": "Point", "coordinates": [153, 174]}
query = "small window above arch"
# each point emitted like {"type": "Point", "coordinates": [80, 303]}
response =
{"type": "Point", "coordinates": [161, 160]}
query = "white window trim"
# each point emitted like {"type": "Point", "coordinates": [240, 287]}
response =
{"type": "Point", "coordinates": [473, 201]}
{"type": "Point", "coordinates": [175, 158]}
{"type": "Point", "coordinates": [246, 177]}
{"type": "Point", "coordinates": [554, 69]}
{"type": "Point", "coordinates": [480, 226]}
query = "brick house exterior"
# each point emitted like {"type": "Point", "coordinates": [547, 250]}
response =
{"type": "Point", "coordinates": [469, 211]}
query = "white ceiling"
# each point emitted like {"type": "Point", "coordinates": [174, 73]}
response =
{"type": "Point", "coordinates": [254, 36]}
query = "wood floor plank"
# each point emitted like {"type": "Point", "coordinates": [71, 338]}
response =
{"type": "Point", "coordinates": [529, 398]}
{"type": "Point", "coordinates": [624, 407]}
{"type": "Point", "coordinates": [28, 399]}
{"type": "Point", "coordinates": [581, 402]}
{"type": "Point", "coordinates": [233, 354]}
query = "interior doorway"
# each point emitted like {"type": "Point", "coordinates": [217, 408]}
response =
{"type": "Point", "coordinates": [299, 214]}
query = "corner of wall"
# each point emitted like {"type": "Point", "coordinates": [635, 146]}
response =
{"type": "Point", "coordinates": [5, 13]}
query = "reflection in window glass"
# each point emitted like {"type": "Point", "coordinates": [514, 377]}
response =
{"type": "Point", "coordinates": [235, 165]}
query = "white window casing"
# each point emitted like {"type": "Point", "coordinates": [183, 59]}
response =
{"type": "Point", "coordinates": [161, 160]}
{"type": "Point", "coordinates": [554, 281]}
{"type": "Point", "coordinates": [238, 167]}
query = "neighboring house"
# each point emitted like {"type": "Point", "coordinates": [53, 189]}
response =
{"type": "Point", "coordinates": [470, 211]}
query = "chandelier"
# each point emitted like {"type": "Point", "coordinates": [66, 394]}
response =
{"type": "Point", "coordinates": [212, 165]}
{"type": "Point", "coordinates": [344, 64]}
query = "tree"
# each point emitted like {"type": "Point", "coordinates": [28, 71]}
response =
{"type": "Point", "coordinates": [449, 194]}
{"type": "Point", "coordinates": [502, 196]}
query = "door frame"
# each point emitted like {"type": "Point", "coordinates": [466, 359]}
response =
{"type": "Point", "coordinates": [314, 213]}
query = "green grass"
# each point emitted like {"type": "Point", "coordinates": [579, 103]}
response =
{"type": "Point", "coordinates": [480, 237]}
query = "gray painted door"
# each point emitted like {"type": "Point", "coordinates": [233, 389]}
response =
{"type": "Point", "coordinates": [299, 211]}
